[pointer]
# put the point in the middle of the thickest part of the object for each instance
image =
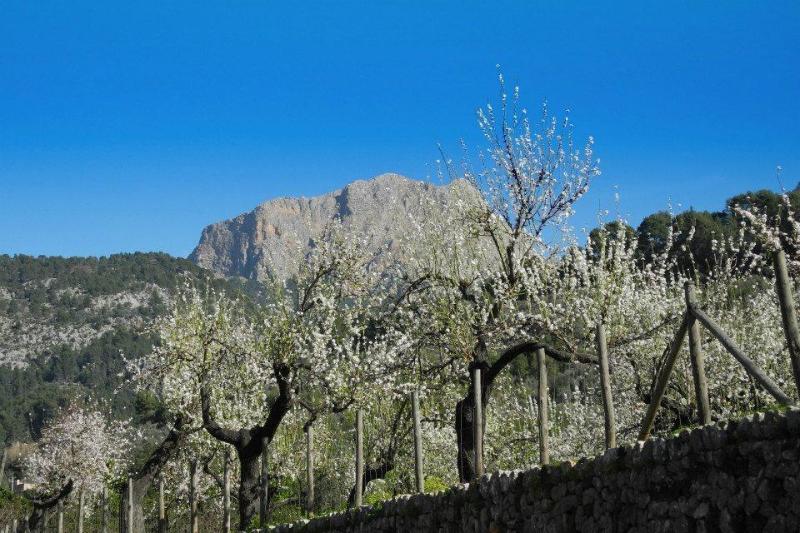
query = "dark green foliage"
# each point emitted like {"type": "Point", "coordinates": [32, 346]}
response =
{"type": "Point", "coordinates": [30, 396]}
{"type": "Point", "coordinates": [60, 290]}
{"type": "Point", "coordinates": [613, 231]}
{"type": "Point", "coordinates": [39, 283]}
{"type": "Point", "coordinates": [652, 233]}
{"type": "Point", "coordinates": [12, 506]}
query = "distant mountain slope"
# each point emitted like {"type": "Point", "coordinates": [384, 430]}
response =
{"type": "Point", "coordinates": [65, 324]}
{"type": "Point", "coordinates": [271, 240]}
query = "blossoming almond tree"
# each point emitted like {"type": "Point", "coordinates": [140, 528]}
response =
{"type": "Point", "coordinates": [79, 451]}
{"type": "Point", "coordinates": [240, 370]}
{"type": "Point", "coordinates": [531, 176]}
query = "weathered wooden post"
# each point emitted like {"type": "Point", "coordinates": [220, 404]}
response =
{"type": "Point", "coordinates": [605, 382]}
{"type": "Point", "coordinates": [753, 369]}
{"type": "Point", "coordinates": [783, 285]}
{"type": "Point", "coordinates": [226, 494]}
{"type": "Point", "coordinates": [663, 377]}
{"type": "Point", "coordinates": [698, 361]}
{"type": "Point", "coordinates": [162, 507]}
{"type": "Point", "coordinates": [81, 501]}
{"type": "Point", "coordinates": [544, 450]}
{"type": "Point", "coordinates": [417, 442]}
{"type": "Point", "coordinates": [194, 527]}
{"type": "Point", "coordinates": [104, 510]}
{"type": "Point", "coordinates": [477, 415]}
{"type": "Point", "coordinates": [309, 468]}
{"type": "Point", "coordinates": [60, 516]}
{"type": "Point", "coordinates": [359, 496]}
{"type": "Point", "coordinates": [263, 499]}
{"type": "Point", "coordinates": [3, 467]}
{"type": "Point", "coordinates": [129, 506]}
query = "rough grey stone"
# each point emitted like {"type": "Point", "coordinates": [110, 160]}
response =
{"type": "Point", "coordinates": [741, 476]}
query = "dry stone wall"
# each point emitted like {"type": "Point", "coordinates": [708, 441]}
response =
{"type": "Point", "coordinates": [734, 476]}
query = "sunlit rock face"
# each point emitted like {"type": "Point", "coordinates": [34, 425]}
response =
{"type": "Point", "coordinates": [272, 240]}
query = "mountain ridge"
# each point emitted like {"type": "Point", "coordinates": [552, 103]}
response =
{"type": "Point", "coordinates": [271, 240]}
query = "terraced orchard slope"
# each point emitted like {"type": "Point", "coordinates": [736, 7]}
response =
{"type": "Point", "coordinates": [273, 239]}
{"type": "Point", "coordinates": [737, 476]}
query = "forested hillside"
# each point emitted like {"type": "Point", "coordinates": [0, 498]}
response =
{"type": "Point", "coordinates": [65, 324]}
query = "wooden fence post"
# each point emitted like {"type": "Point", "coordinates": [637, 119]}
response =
{"type": "Point", "coordinates": [784, 287]}
{"type": "Point", "coordinates": [162, 507]}
{"type": "Point", "coordinates": [359, 496]}
{"type": "Point", "coordinates": [193, 521]}
{"type": "Point", "coordinates": [748, 364]}
{"type": "Point", "coordinates": [698, 361]}
{"type": "Point", "coordinates": [309, 469]}
{"type": "Point", "coordinates": [226, 495]}
{"type": "Point", "coordinates": [263, 502]}
{"type": "Point", "coordinates": [130, 506]}
{"type": "Point", "coordinates": [663, 377]}
{"type": "Point", "coordinates": [605, 382]}
{"type": "Point", "coordinates": [477, 422]}
{"type": "Point", "coordinates": [544, 451]}
{"type": "Point", "coordinates": [417, 442]}
{"type": "Point", "coordinates": [104, 510]}
{"type": "Point", "coordinates": [81, 501]}
{"type": "Point", "coordinates": [60, 516]}
{"type": "Point", "coordinates": [3, 467]}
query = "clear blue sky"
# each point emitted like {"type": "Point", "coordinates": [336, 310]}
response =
{"type": "Point", "coordinates": [131, 125]}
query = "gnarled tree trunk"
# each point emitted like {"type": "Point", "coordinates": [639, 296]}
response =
{"type": "Point", "coordinates": [249, 443]}
{"type": "Point", "coordinates": [464, 413]}
{"type": "Point", "coordinates": [36, 521]}
{"type": "Point", "coordinates": [372, 473]}
{"type": "Point", "coordinates": [143, 479]}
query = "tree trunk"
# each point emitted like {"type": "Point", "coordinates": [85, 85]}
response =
{"type": "Point", "coordinates": [38, 518]}
{"type": "Point", "coordinates": [465, 429]}
{"type": "Point", "coordinates": [378, 471]}
{"type": "Point", "coordinates": [144, 478]}
{"type": "Point", "coordinates": [249, 485]}
{"type": "Point", "coordinates": [464, 408]}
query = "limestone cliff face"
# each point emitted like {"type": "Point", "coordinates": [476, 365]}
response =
{"type": "Point", "coordinates": [273, 239]}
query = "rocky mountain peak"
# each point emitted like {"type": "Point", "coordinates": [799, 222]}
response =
{"type": "Point", "coordinates": [272, 239]}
